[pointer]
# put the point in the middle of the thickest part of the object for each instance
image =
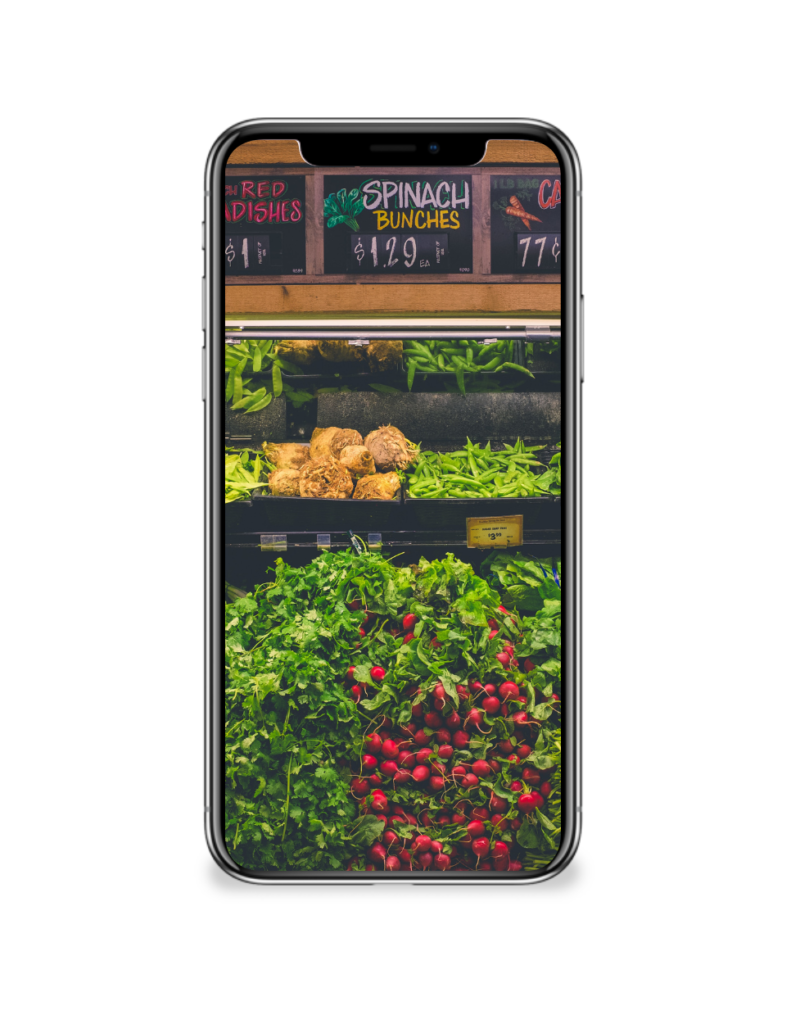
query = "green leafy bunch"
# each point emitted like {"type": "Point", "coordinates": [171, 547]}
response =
{"type": "Point", "coordinates": [245, 471]}
{"type": "Point", "coordinates": [344, 207]}
{"type": "Point", "coordinates": [295, 732]}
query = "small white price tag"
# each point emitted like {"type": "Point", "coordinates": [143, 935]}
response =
{"type": "Point", "coordinates": [273, 541]}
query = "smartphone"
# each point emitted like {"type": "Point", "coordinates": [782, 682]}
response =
{"type": "Point", "coordinates": [392, 366]}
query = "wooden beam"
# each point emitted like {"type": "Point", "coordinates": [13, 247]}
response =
{"type": "Point", "coordinates": [263, 151]}
{"type": "Point", "coordinates": [518, 151]}
{"type": "Point", "coordinates": [356, 300]}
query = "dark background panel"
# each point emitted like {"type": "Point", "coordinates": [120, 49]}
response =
{"type": "Point", "coordinates": [539, 197]}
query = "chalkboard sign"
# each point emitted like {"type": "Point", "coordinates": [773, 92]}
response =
{"type": "Point", "coordinates": [265, 225]}
{"type": "Point", "coordinates": [525, 224]}
{"type": "Point", "coordinates": [398, 224]}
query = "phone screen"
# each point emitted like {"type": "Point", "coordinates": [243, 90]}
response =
{"type": "Point", "coordinates": [392, 517]}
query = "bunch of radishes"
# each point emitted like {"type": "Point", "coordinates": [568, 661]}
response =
{"type": "Point", "coordinates": [468, 826]}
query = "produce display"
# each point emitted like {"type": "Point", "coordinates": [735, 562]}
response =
{"type": "Point", "coordinates": [478, 472]}
{"type": "Point", "coordinates": [460, 357]}
{"type": "Point", "coordinates": [244, 473]}
{"type": "Point", "coordinates": [395, 718]}
{"type": "Point", "coordinates": [339, 463]}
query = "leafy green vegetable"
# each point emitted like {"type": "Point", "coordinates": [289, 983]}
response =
{"type": "Point", "coordinates": [245, 472]}
{"type": "Point", "coordinates": [475, 472]}
{"type": "Point", "coordinates": [342, 208]}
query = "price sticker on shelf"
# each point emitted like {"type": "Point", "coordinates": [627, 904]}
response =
{"type": "Point", "coordinates": [273, 542]}
{"type": "Point", "coordinates": [494, 531]}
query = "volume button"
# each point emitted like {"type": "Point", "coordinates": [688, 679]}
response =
{"type": "Point", "coordinates": [203, 374]}
{"type": "Point", "coordinates": [203, 304]}
{"type": "Point", "coordinates": [582, 339]}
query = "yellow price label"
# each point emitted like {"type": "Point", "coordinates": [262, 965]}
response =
{"type": "Point", "coordinates": [494, 532]}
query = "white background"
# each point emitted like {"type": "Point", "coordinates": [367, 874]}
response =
{"type": "Point", "coordinates": [673, 909]}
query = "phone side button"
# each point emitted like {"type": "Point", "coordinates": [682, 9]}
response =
{"type": "Point", "coordinates": [203, 304]}
{"type": "Point", "coordinates": [203, 374]}
{"type": "Point", "coordinates": [582, 339]}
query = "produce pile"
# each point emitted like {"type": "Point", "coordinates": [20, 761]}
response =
{"type": "Point", "coordinates": [397, 719]}
{"type": "Point", "coordinates": [338, 463]}
{"type": "Point", "coordinates": [244, 473]}
{"type": "Point", "coordinates": [476, 472]}
{"type": "Point", "coordinates": [462, 357]}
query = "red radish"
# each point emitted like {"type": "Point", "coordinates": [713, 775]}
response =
{"type": "Point", "coordinates": [421, 843]}
{"type": "Point", "coordinates": [425, 860]}
{"type": "Point", "coordinates": [360, 787]}
{"type": "Point", "coordinates": [436, 767]}
{"type": "Point", "coordinates": [519, 717]}
{"type": "Point", "coordinates": [491, 705]}
{"type": "Point", "coordinates": [373, 743]}
{"type": "Point", "coordinates": [500, 850]}
{"type": "Point", "coordinates": [436, 783]}
{"type": "Point", "coordinates": [501, 610]}
{"type": "Point", "coordinates": [438, 704]}
{"type": "Point", "coordinates": [459, 771]}
{"type": "Point", "coordinates": [529, 801]}
{"type": "Point", "coordinates": [453, 721]}
{"type": "Point", "coordinates": [397, 819]}
{"type": "Point", "coordinates": [475, 828]}
{"type": "Point", "coordinates": [531, 776]}
{"type": "Point", "coordinates": [460, 739]}
{"type": "Point", "coordinates": [469, 781]}
{"type": "Point", "coordinates": [375, 780]}
{"type": "Point", "coordinates": [439, 692]}
{"type": "Point", "coordinates": [524, 750]}
{"type": "Point", "coordinates": [555, 697]}
{"type": "Point", "coordinates": [392, 864]}
{"type": "Point", "coordinates": [421, 773]}
{"type": "Point", "coordinates": [480, 846]}
{"type": "Point", "coordinates": [434, 642]}
{"type": "Point", "coordinates": [356, 692]}
{"type": "Point", "coordinates": [545, 789]}
{"type": "Point", "coordinates": [389, 749]}
{"type": "Point", "coordinates": [443, 736]}
{"type": "Point", "coordinates": [350, 673]}
{"type": "Point", "coordinates": [480, 813]}
{"type": "Point", "coordinates": [509, 649]}
{"type": "Point", "coordinates": [481, 769]}
{"type": "Point", "coordinates": [355, 605]}
{"type": "Point", "coordinates": [445, 750]}
{"type": "Point", "coordinates": [362, 631]}
{"type": "Point", "coordinates": [421, 738]}
{"type": "Point", "coordinates": [386, 723]}
{"type": "Point", "coordinates": [516, 787]}
{"type": "Point", "coordinates": [490, 689]}
{"type": "Point", "coordinates": [406, 759]}
{"type": "Point", "coordinates": [407, 638]}
{"type": "Point", "coordinates": [475, 717]}
{"type": "Point", "coordinates": [417, 710]}
{"type": "Point", "coordinates": [497, 803]}
{"type": "Point", "coordinates": [528, 665]}
{"type": "Point", "coordinates": [388, 768]}
{"type": "Point", "coordinates": [442, 862]}
{"type": "Point", "coordinates": [491, 623]}
{"type": "Point", "coordinates": [494, 765]}
{"type": "Point", "coordinates": [410, 729]}
{"type": "Point", "coordinates": [493, 633]}
{"type": "Point", "coordinates": [513, 758]}
{"type": "Point", "coordinates": [503, 658]}
{"type": "Point", "coordinates": [423, 755]}
{"type": "Point", "coordinates": [378, 800]}
{"type": "Point", "coordinates": [496, 819]}
{"type": "Point", "coordinates": [377, 853]}
{"type": "Point", "coordinates": [463, 692]}
{"type": "Point", "coordinates": [486, 866]}
{"type": "Point", "coordinates": [521, 699]}
{"type": "Point", "coordinates": [409, 620]}
{"type": "Point", "coordinates": [425, 819]}
{"type": "Point", "coordinates": [476, 686]}
{"type": "Point", "coordinates": [369, 762]}
{"type": "Point", "coordinates": [506, 747]}
{"type": "Point", "coordinates": [401, 777]}
{"type": "Point", "coordinates": [378, 673]}
{"type": "Point", "coordinates": [457, 818]}
{"type": "Point", "coordinates": [433, 720]}
{"type": "Point", "coordinates": [443, 819]}
{"type": "Point", "coordinates": [514, 865]}
{"type": "Point", "coordinates": [509, 690]}
{"type": "Point", "coordinates": [436, 846]}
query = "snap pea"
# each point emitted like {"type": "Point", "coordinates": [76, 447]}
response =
{"type": "Point", "coordinates": [475, 472]}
